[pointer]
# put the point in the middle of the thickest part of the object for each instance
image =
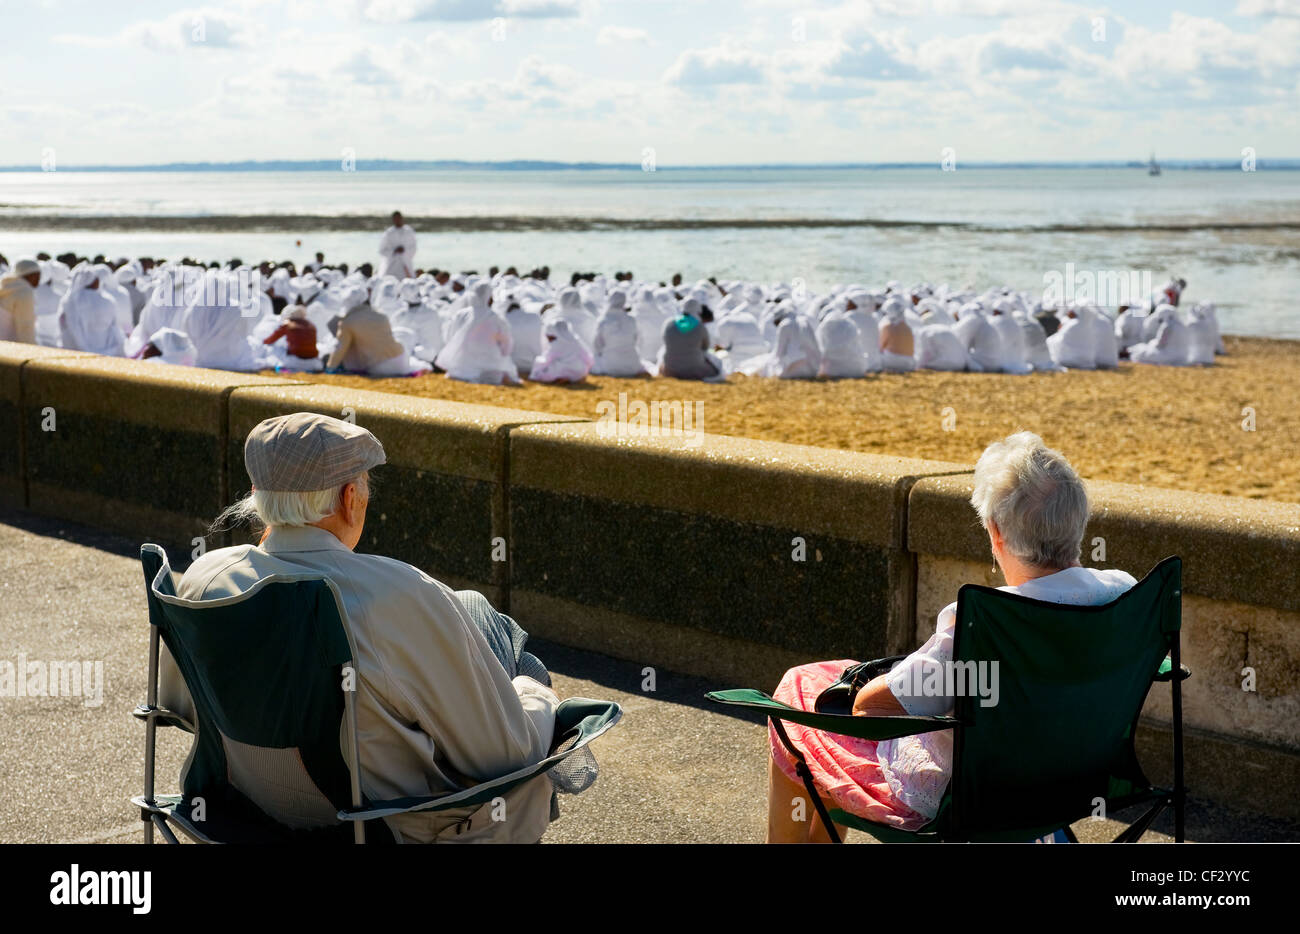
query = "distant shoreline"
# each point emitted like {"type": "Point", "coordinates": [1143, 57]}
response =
{"type": "Point", "coordinates": [412, 165]}
{"type": "Point", "coordinates": [350, 223]}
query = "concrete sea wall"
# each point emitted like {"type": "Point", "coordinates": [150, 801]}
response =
{"type": "Point", "coordinates": [722, 557]}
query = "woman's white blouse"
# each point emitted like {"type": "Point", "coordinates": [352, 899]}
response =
{"type": "Point", "coordinates": [917, 768]}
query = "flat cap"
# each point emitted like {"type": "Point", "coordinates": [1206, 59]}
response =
{"type": "Point", "coordinates": [304, 451]}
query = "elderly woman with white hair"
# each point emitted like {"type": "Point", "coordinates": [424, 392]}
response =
{"type": "Point", "coordinates": [1034, 508]}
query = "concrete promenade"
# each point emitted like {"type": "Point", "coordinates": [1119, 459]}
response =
{"type": "Point", "coordinates": [676, 770]}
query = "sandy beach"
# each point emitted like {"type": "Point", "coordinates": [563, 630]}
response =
{"type": "Point", "coordinates": [1180, 428]}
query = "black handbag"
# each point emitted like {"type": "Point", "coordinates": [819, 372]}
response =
{"type": "Point", "coordinates": [839, 697]}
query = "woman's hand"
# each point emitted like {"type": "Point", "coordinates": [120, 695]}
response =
{"type": "Point", "coordinates": [877, 700]}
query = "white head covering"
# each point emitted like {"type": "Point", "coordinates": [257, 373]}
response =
{"type": "Point", "coordinates": [563, 355]}
{"type": "Point", "coordinates": [87, 318]}
{"type": "Point", "coordinates": [174, 347]}
{"type": "Point", "coordinates": [220, 331]}
{"type": "Point", "coordinates": [479, 347]}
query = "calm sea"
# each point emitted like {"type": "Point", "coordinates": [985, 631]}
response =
{"type": "Point", "coordinates": [1234, 236]}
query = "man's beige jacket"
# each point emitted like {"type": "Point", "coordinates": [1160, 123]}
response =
{"type": "Point", "coordinates": [436, 711]}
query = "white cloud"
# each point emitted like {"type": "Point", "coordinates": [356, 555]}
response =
{"type": "Point", "coordinates": [1268, 8]}
{"type": "Point", "coordinates": [718, 65]}
{"type": "Point", "coordinates": [577, 86]}
{"type": "Point", "coordinates": [613, 35]}
{"type": "Point", "coordinates": [406, 11]}
{"type": "Point", "coordinates": [205, 28]}
{"type": "Point", "coordinates": [878, 58]}
{"type": "Point", "coordinates": [1002, 55]}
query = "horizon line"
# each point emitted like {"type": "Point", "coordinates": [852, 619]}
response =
{"type": "Point", "coordinates": [270, 165]}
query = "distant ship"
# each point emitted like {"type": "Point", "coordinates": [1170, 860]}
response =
{"type": "Point", "coordinates": [1153, 167]}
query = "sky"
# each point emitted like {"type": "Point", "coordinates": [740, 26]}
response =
{"type": "Point", "coordinates": [626, 81]}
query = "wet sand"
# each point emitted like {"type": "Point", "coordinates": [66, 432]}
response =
{"type": "Point", "coordinates": [1174, 427]}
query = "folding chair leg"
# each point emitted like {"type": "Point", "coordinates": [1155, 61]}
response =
{"type": "Point", "coordinates": [801, 767]}
{"type": "Point", "coordinates": [1133, 832]}
{"type": "Point", "coordinates": [151, 732]}
{"type": "Point", "coordinates": [1179, 790]}
{"type": "Point", "coordinates": [163, 828]}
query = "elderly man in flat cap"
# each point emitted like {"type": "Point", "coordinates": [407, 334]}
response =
{"type": "Point", "coordinates": [437, 706]}
{"type": "Point", "coordinates": [18, 302]}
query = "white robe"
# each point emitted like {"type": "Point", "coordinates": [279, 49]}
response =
{"type": "Point", "coordinates": [868, 323]}
{"type": "Point", "coordinates": [110, 289]}
{"type": "Point", "coordinates": [1106, 344]}
{"type": "Point", "coordinates": [796, 354]}
{"type": "Point", "coordinates": [562, 358]}
{"type": "Point", "coordinates": [1035, 343]}
{"type": "Point", "coordinates": [739, 334]}
{"type": "Point", "coordinates": [526, 330]}
{"type": "Point", "coordinates": [650, 318]}
{"type": "Point", "coordinates": [891, 362]}
{"type": "Point", "coordinates": [1171, 345]}
{"type": "Point", "coordinates": [1015, 355]}
{"type": "Point", "coordinates": [478, 349]}
{"type": "Point", "coordinates": [175, 347]}
{"type": "Point", "coordinates": [983, 343]}
{"type": "Point", "coordinates": [840, 343]}
{"type": "Point", "coordinates": [48, 299]}
{"type": "Point", "coordinates": [569, 308]}
{"type": "Point", "coordinates": [1074, 345]}
{"type": "Point", "coordinates": [938, 347]}
{"type": "Point", "coordinates": [88, 320]}
{"type": "Point", "coordinates": [1210, 311]}
{"type": "Point", "coordinates": [401, 265]}
{"type": "Point", "coordinates": [616, 346]}
{"type": "Point", "coordinates": [1128, 329]}
{"type": "Point", "coordinates": [159, 312]}
{"type": "Point", "coordinates": [222, 336]}
{"type": "Point", "coordinates": [426, 325]}
{"type": "Point", "coordinates": [1202, 338]}
{"type": "Point", "coordinates": [1153, 321]}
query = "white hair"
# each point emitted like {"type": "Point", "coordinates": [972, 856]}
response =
{"type": "Point", "coordinates": [1034, 497]}
{"type": "Point", "coordinates": [268, 508]}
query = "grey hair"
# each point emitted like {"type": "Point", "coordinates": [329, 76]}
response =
{"type": "Point", "coordinates": [266, 508]}
{"type": "Point", "coordinates": [1034, 497]}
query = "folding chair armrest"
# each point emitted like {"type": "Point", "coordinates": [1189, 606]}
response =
{"type": "Point", "coordinates": [1166, 671]}
{"type": "Point", "coordinates": [577, 717]}
{"type": "Point", "coordinates": [162, 716]}
{"type": "Point", "coordinates": [876, 728]}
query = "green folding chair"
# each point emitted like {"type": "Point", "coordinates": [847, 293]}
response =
{"type": "Point", "coordinates": [1060, 740]}
{"type": "Point", "coordinates": [269, 672]}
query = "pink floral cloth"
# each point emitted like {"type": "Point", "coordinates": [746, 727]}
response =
{"type": "Point", "coordinates": [846, 770]}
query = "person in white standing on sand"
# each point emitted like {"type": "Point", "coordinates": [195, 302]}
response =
{"type": "Point", "coordinates": [397, 247]}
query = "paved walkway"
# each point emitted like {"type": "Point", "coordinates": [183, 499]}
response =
{"type": "Point", "coordinates": [676, 770]}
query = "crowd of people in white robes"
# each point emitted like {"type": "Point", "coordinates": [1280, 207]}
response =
{"type": "Point", "coordinates": [503, 327]}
